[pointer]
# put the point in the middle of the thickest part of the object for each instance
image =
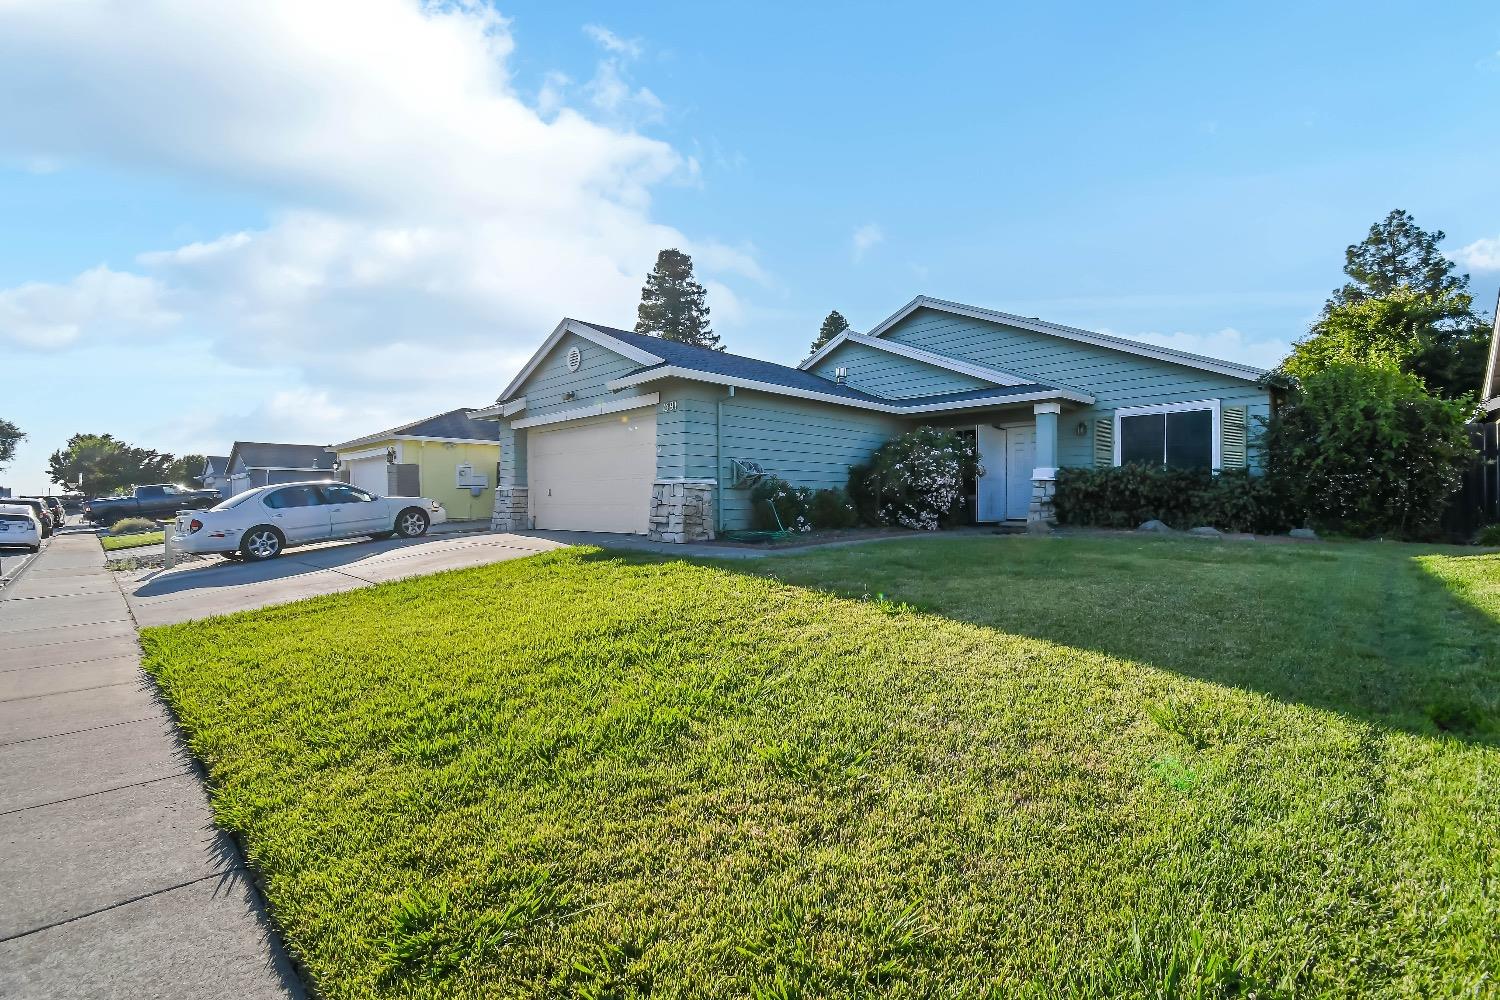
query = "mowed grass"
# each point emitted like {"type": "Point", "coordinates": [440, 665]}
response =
{"type": "Point", "coordinates": [962, 767]}
{"type": "Point", "coordinates": [113, 542]}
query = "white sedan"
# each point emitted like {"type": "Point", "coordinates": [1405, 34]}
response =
{"type": "Point", "coordinates": [262, 522]}
{"type": "Point", "coordinates": [19, 527]}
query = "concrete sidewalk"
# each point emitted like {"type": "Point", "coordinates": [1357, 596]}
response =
{"type": "Point", "coordinates": [114, 881]}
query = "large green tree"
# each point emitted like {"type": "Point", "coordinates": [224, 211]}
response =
{"type": "Point", "coordinates": [186, 470]}
{"type": "Point", "coordinates": [106, 464]}
{"type": "Point", "coordinates": [10, 437]}
{"type": "Point", "coordinates": [833, 325]}
{"type": "Point", "coordinates": [674, 306]}
{"type": "Point", "coordinates": [1398, 253]}
{"type": "Point", "coordinates": [1404, 305]}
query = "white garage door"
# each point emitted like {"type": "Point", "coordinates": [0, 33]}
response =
{"type": "Point", "coordinates": [595, 474]}
{"type": "Point", "coordinates": [369, 474]}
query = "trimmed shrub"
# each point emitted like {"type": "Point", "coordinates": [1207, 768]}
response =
{"type": "Point", "coordinates": [133, 525]}
{"type": "Point", "coordinates": [832, 508]}
{"type": "Point", "coordinates": [1366, 450]}
{"type": "Point", "coordinates": [915, 480]}
{"type": "Point", "coordinates": [1126, 496]}
{"type": "Point", "coordinates": [1489, 535]}
{"type": "Point", "coordinates": [791, 505]}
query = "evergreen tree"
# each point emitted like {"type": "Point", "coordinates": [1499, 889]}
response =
{"type": "Point", "coordinates": [10, 437]}
{"type": "Point", "coordinates": [673, 305]}
{"type": "Point", "coordinates": [833, 325]}
{"type": "Point", "coordinates": [1397, 253]}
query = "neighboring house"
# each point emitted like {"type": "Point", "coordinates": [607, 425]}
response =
{"type": "Point", "coordinates": [256, 463]}
{"type": "Point", "coordinates": [215, 474]}
{"type": "Point", "coordinates": [1489, 393]}
{"type": "Point", "coordinates": [609, 430]}
{"type": "Point", "coordinates": [449, 458]}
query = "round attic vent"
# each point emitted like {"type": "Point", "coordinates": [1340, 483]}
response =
{"type": "Point", "coordinates": [575, 358]}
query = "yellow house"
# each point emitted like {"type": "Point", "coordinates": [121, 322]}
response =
{"type": "Point", "coordinates": [448, 457]}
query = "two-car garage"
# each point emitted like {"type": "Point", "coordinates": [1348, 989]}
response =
{"type": "Point", "coordinates": [593, 474]}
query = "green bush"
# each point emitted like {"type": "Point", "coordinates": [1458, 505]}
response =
{"type": "Point", "coordinates": [1488, 535]}
{"type": "Point", "coordinates": [1367, 450]}
{"type": "Point", "coordinates": [915, 480]}
{"type": "Point", "coordinates": [133, 525]}
{"type": "Point", "coordinates": [798, 507]}
{"type": "Point", "coordinates": [1126, 496]}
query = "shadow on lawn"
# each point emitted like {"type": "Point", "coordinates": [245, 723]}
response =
{"type": "Point", "coordinates": [1366, 630]}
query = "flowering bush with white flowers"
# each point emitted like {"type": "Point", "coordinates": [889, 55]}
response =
{"type": "Point", "coordinates": [1367, 450]}
{"type": "Point", "coordinates": [776, 504]}
{"type": "Point", "coordinates": [918, 480]}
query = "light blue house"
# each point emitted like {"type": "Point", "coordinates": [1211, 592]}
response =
{"type": "Point", "coordinates": [608, 430]}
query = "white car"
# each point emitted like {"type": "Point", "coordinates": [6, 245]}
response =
{"type": "Point", "coordinates": [262, 522]}
{"type": "Point", "coordinates": [19, 527]}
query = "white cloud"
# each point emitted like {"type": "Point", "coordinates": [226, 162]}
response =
{"type": "Point", "coordinates": [1481, 255]}
{"type": "Point", "coordinates": [429, 225]}
{"type": "Point", "coordinates": [866, 237]}
{"type": "Point", "coordinates": [611, 42]}
{"type": "Point", "coordinates": [1229, 344]}
{"type": "Point", "coordinates": [45, 316]}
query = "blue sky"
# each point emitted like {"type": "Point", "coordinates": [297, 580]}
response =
{"type": "Point", "coordinates": [308, 222]}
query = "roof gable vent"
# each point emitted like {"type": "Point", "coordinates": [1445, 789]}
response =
{"type": "Point", "coordinates": [841, 375]}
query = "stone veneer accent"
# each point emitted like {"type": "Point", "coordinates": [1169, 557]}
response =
{"type": "Point", "coordinates": [682, 510]}
{"type": "Point", "coordinates": [511, 510]}
{"type": "Point", "coordinates": [1040, 515]}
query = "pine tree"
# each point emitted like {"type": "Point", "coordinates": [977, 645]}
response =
{"type": "Point", "coordinates": [1397, 253]}
{"type": "Point", "coordinates": [833, 325]}
{"type": "Point", "coordinates": [673, 305]}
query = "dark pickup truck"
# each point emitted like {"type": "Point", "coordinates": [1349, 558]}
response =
{"type": "Point", "coordinates": [155, 502]}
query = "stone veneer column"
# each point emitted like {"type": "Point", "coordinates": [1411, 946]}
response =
{"type": "Point", "coordinates": [1040, 515]}
{"type": "Point", "coordinates": [682, 510]}
{"type": "Point", "coordinates": [512, 506]}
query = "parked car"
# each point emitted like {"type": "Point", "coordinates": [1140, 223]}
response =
{"type": "Point", "coordinates": [261, 523]}
{"type": "Point", "coordinates": [19, 527]}
{"type": "Point", "coordinates": [38, 507]}
{"type": "Point", "coordinates": [55, 505]}
{"type": "Point", "coordinates": [157, 502]}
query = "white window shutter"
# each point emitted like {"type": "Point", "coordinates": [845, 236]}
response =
{"type": "Point", "coordinates": [1104, 442]}
{"type": "Point", "coordinates": [1233, 435]}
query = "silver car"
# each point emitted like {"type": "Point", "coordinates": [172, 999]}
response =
{"type": "Point", "coordinates": [261, 523]}
{"type": "Point", "coordinates": [19, 528]}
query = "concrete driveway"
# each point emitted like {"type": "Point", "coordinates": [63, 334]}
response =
{"type": "Point", "coordinates": [219, 587]}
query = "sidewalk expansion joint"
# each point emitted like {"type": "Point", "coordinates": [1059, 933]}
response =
{"type": "Point", "coordinates": [222, 873]}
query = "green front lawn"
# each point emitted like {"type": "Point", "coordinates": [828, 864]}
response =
{"type": "Point", "coordinates": [963, 767]}
{"type": "Point", "coordinates": [112, 542]}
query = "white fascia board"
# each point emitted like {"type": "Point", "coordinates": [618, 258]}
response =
{"type": "Point", "coordinates": [1232, 369]}
{"type": "Point", "coordinates": [596, 410]}
{"type": "Point", "coordinates": [995, 375]}
{"type": "Point", "coordinates": [826, 350]}
{"type": "Point", "coordinates": [513, 407]}
{"type": "Point", "coordinates": [585, 331]}
{"type": "Point", "coordinates": [893, 407]}
{"type": "Point", "coordinates": [443, 440]}
{"type": "Point", "coordinates": [1491, 387]}
{"type": "Point", "coordinates": [355, 456]}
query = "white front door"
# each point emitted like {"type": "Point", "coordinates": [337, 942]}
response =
{"type": "Point", "coordinates": [1020, 459]}
{"type": "Point", "coordinates": [990, 502]}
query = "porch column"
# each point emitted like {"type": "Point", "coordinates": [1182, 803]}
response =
{"type": "Point", "coordinates": [512, 502]}
{"type": "Point", "coordinates": [1039, 514]}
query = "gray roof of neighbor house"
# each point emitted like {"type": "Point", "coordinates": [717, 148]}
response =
{"type": "Point", "coordinates": [214, 465]}
{"type": "Point", "coordinates": [452, 424]}
{"type": "Point", "coordinates": [263, 455]}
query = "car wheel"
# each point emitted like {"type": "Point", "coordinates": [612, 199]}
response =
{"type": "Point", "coordinates": [261, 542]}
{"type": "Point", "coordinates": [411, 523]}
{"type": "Point", "coordinates": [33, 549]}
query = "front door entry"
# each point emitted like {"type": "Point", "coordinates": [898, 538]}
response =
{"type": "Point", "coordinates": [989, 501]}
{"type": "Point", "coordinates": [1020, 459]}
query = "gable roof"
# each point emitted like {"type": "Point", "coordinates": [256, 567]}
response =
{"type": "Point", "coordinates": [214, 465]}
{"type": "Point", "coordinates": [264, 455]}
{"type": "Point", "coordinates": [1489, 393]}
{"type": "Point", "coordinates": [1231, 368]}
{"type": "Point", "coordinates": [996, 375]}
{"type": "Point", "coordinates": [454, 425]}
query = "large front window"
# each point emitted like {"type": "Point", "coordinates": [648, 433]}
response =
{"type": "Point", "coordinates": [1177, 435]}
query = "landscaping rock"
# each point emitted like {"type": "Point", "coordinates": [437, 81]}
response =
{"type": "Point", "coordinates": [1303, 533]}
{"type": "Point", "coordinates": [1155, 525]}
{"type": "Point", "coordinates": [1206, 531]}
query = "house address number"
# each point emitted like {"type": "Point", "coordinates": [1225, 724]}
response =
{"type": "Point", "coordinates": [669, 406]}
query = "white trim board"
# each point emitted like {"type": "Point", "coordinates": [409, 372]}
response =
{"type": "Point", "coordinates": [995, 375]}
{"type": "Point", "coordinates": [893, 407]}
{"type": "Point", "coordinates": [584, 412]}
{"type": "Point", "coordinates": [1231, 368]}
{"type": "Point", "coordinates": [585, 331]}
{"type": "Point", "coordinates": [1213, 405]}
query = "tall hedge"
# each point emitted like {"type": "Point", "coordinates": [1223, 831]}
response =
{"type": "Point", "coordinates": [1126, 496]}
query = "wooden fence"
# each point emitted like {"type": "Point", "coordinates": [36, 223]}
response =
{"type": "Point", "coordinates": [1477, 501]}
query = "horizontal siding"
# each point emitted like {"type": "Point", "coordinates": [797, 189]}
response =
{"type": "Point", "coordinates": [892, 376]}
{"type": "Point", "coordinates": [806, 443]}
{"type": "Point", "coordinates": [545, 388]}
